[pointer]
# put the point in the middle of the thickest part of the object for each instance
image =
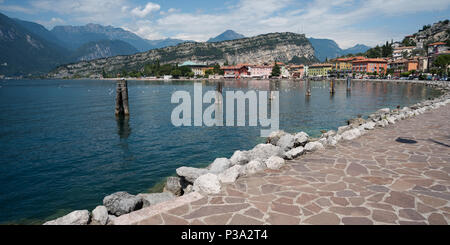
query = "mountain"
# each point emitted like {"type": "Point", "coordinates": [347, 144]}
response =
{"type": "Point", "coordinates": [267, 48]}
{"type": "Point", "coordinates": [103, 49]}
{"type": "Point", "coordinates": [40, 31]}
{"type": "Point", "coordinates": [226, 36]}
{"type": "Point", "coordinates": [76, 36]}
{"type": "Point", "coordinates": [358, 48]}
{"type": "Point", "coordinates": [162, 43]}
{"type": "Point", "coordinates": [327, 48]}
{"type": "Point", "coordinates": [24, 52]}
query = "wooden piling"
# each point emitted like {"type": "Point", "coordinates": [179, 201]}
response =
{"type": "Point", "coordinates": [122, 108]}
{"type": "Point", "coordinates": [308, 87]}
{"type": "Point", "coordinates": [349, 83]}
{"type": "Point", "coordinates": [331, 86]}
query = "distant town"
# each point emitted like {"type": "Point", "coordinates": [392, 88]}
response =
{"type": "Point", "coordinates": [401, 62]}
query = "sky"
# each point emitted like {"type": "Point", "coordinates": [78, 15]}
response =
{"type": "Point", "coordinates": [348, 22]}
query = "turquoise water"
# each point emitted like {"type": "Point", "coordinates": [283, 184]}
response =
{"type": "Point", "coordinates": [63, 149]}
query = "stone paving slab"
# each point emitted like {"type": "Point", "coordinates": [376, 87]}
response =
{"type": "Point", "coordinates": [375, 179]}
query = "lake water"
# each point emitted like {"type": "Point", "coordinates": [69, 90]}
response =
{"type": "Point", "coordinates": [62, 148]}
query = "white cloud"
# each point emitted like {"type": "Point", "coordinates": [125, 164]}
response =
{"type": "Point", "coordinates": [16, 8]}
{"type": "Point", "coordinates": [52, 22]}
{"type": "Point", "coordinates": [142, 12]}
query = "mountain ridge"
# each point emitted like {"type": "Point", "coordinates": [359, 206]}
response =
{"type": "Point", "coordinates": [266, 48]}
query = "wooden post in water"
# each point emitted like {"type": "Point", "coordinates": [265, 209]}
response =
{"type": "Point", "coordinates": [331, 86]}
{"type": "Point", "coordinates": [308, 87]}
{"type": "Point", "coordinates": [122, 98]}
{"type": "Point", "coordinates": [349, 83]}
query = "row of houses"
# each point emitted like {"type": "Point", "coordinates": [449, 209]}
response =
{"type": "Point", "coordinates": [402, 61]}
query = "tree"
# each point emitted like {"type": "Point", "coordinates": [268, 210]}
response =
{"type": "Point", "coordinates": [276, 71]}
{"type": "Point", "coordinates": [442, 62]}
{"type": "Point", "coordinates": [176, 73]}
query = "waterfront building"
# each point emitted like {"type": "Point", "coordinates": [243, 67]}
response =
{"type": "Point", "coordinates": [422, 63]}
{"type": "Point", "coordinates": [400, 52]}
{"type": "Point", "coordinates": [297, 71]}
{"type": "Point", "coordinates": [343, 66]}
{"type": "Point", "coordinates": [260, 71]}
{"type": "Point", "coordinates": [197, 69]}
{"type": "Point", "coordinates": [404, 65]}
{"type": "Point", "coordinates": [320, 70]}
{"type": "Point", "coordinates": [236, 71]}
{"type": "Point", "coordinates": [369, 65]}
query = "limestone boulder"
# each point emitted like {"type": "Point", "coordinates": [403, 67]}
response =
{"type": "Point", "coordinates": [230, 175]}
{"type": "Point", "coordinates": [150, 199]}
{"type": "Point", "coordinates": [300, 139]}
{"type": "Point", "coordinates": [262, 152]}
{"type": "Point", "coordinates": [240, 158]}
{"type": "Point", "coordinates": [294, 153]}
{"type": "Point", "coordinates": [190, 174]}
{"type": "Point", "coordinates": [351, 134]}
{"type": "Point", "coordinates": [79, 217]}
{"type": "Point", "coordinates": [314, 146]}
{"type": "Point", "coordinates": [208, 183]}
{"type": "Point", "coordinates": [120, 203]}
{"type": "Point", "coordinates": [254, 166]}
{"type": "Point", "coordinates": [173, 185]}
{"type": "Point", "coordinates": [219, 165]}
{"type": "Point", "coordinates": [100, 215]}
{"type": "Point", "coordinates": [286, 142]}
{"type": "Point", "coordinates": [275, 162]}
{"type": "Point", "coordinates": [275, 136]}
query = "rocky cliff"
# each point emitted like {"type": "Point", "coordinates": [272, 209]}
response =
{"type": "Point", "coordinates": [266, 48]}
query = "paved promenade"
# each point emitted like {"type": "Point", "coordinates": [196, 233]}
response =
{"type": "Point", "coordinates": [393, 175]}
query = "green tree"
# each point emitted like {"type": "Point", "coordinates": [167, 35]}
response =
{"type": "Point", "coordinates": [276, 71]}
{"type": "Point", "coordinates": [175, 73]}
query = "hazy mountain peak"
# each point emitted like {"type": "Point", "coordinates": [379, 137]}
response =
{"type": "Point", "coordinates": [226, 36]}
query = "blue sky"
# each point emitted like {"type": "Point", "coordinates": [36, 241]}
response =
{"type": "Point", "coordinates": [348, 22]}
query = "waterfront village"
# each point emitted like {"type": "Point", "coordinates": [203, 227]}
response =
{"type": "Point", "coordinates": [405, 63]}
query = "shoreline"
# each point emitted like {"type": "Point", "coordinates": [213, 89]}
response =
{"type": "Point", "coordinates": [439, 85]}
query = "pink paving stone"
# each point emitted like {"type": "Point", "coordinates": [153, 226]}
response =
{"type": "Point", "coordinates": [239, 219]}
{"type": "Point", "coordinates": [284, 200]}
{"type": "Point", "coordinates": [172, 220]}
{"type": "Point", "coordinates": [432, 201]}
{"type": "Point", "coordinates": [263, 198]}
{"type": "Point", "coordinates": [179, 211]}
{"type": "Point", "coordinates": [400, 199]}
{"type": "Point", "coordinates": [323, 202]}
{"type": "Point", "coordinates": [216, 200]}
{"type": "Point", "coordinates": [286, 209]}
{"type": "Point", "coordinates": [384, 216]}
{"type": "Point", "coordinates": [323, 219]}
{"type": "Point", "coordinates": [412, 223]}
{"type": "Point", "coordinates": [282, 219]}
{"type": "Point", "coordinates": [355, 169]}
{"type": "Point", "coordinates": [234, 200]}
{"type": "Point", "coordinates": [216, 209]}
{"type": "Point", "coordinates": [400, 185]}
{"type": "Point", "coordinates": [306, 198]}
{"type": "Point", "coordinates": [197, 222]}
{"type": "Point", "coordinates": [221, 219]}
{"type": "Point", "coordinates": [422, 208]}
{"type": "Point", "coordinates": [350, 211]}
{"type": "Point", "coordinates": [339, 201]}
{"type": "Point", "coordinates": [437, 219]}
{"type": "Point", "coordinates": [378, 180]}
{"type": "Point", "coordinates": [314, 208]}
{"type": "Point", "coordinates": [356, 221]}
{"type": "Point", "coordinates": [253, 212]}
{"type": "Point", "coordinates": [380, 206]}
{"type": "Point", "coordinates": [263, 207]}
{"type": "Point", "coordinates": [270, 188]}
{"type": "Point", "coordinates": [410, 214]}
{"type": "Point", "coordinates": [154, 220]}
